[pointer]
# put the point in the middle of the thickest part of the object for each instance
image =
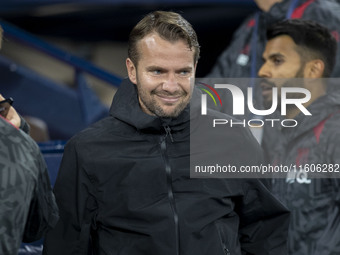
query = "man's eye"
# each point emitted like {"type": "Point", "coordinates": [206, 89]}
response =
{"type": "Point", "coordinates": [277, 61]}
{"type": "Point", "coordinates": [156, 72]}
{"type": "Point", "coordinates": [184, 72]}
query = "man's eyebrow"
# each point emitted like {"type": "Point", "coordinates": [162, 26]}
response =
{"type": "Point", "coordinates": [162, 69]}
{"type": "Point", "coordinates": [273, 55]}
{"type": "Point", "coordinates": [155, 68]}
{"type": "Point", "coordinates": [187, 68]}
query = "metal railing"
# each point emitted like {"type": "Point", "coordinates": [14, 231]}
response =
{"type": "Point", "coordinates": [77, 63]}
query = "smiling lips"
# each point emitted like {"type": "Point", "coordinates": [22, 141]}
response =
{"type": "Point", "coordinates": [170, 98]}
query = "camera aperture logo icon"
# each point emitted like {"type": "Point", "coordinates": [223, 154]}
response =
{"type": "Point", "coordinates": [204, 96]}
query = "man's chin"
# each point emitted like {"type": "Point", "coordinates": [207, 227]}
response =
{"type": "Point", "coordinates": [168, 114]}
{"type": "Point", "coordinates": [169, 111]}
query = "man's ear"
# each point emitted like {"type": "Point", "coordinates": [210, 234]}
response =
{"type": "Point", "coordinates": [315, 69]}
{"type": "Point", "coordinates": [131, 69]}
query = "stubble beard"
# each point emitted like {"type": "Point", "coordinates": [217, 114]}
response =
{"type": "Point", "coordinates": [153, 106]}
{"type": "Point", "coordinates": [299, 74]}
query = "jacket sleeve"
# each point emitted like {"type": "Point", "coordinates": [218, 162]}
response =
{"type": "Point", "coordinates": [76, 207]}
{"type": "Point", "coordinates": [235, 60]}
{"type": "Point", "coordinates": [329, 242]}
{"type": "Point", "coordinates": [264, 221]}
{"type": "Point", "coordinates": [226, 64]}
{"type": "Point", "coordinates": [43, 212]}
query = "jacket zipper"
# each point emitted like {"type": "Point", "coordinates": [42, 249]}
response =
{"type": "Point", "coordinates": [169, 183]}
{"type": "Point", "coordinates": [226, 251]}
{"type": "Point", "coordinates": [168, 133]}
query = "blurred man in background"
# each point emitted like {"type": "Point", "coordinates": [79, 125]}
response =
{"type": "Point", "coordinates": [301, 54]}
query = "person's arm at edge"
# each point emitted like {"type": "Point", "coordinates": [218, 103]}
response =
{"type": "Point", "coordinates": [264, 221]}
{"type": "Point", "coordinates": [43, 213]}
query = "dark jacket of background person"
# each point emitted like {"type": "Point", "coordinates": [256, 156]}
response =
{"type": "Point", "coordinates": [314, 203]}
{"type": "Point", "coordinates": [237, 59]}
{"type": "Point", "coordinates": [124, 188]}
{"type": "Point", "coordinates": [28, 208]}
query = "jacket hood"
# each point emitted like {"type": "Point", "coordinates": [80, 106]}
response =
{"type": "Point", "coordinates": [125, 107]}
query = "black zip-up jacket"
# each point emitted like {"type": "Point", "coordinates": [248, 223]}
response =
{"type": "Point", "coordinates": [312, 146]}
{"type": "Point", "coordinates": [124, 188]}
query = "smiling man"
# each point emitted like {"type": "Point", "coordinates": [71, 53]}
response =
{"type": "Point", "coordinates": [302, 54]}
{"type": "Point", "coordinates": [124, 184]}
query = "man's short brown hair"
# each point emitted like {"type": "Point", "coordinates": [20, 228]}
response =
{"type": "Point", "coordinates": [170, 26]}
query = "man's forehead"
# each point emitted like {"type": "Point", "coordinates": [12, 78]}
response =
{"type": "Point", "coordinates": [154, 38]}
{"type": "Point", "coordinates": [162, 50]}
{"type": "Point", "coordinates": [282, 44]}
{"type": "Point", "coordinates": [282, 41]}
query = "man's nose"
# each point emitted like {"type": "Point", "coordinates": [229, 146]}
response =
{"type": "Point", "coordinates": [170, 83]}
{"type": "Point", "coordinates": [264, 71]}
